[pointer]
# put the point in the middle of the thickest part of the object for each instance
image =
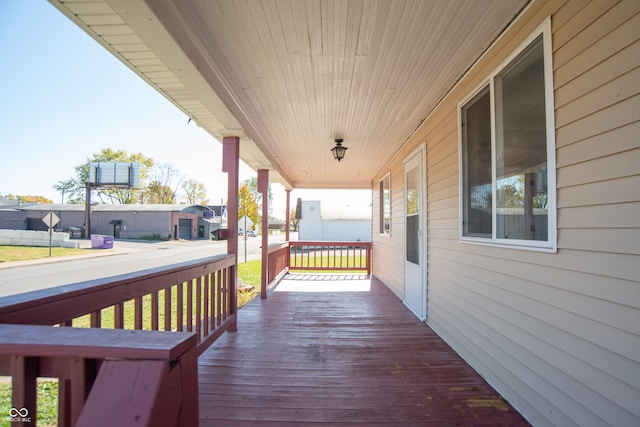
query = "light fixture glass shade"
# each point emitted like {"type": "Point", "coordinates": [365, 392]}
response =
{"type": "Point", "coordinates": [339, 150]}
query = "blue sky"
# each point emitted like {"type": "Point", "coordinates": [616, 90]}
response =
{"type": "Point", "coordinates": [64, 97]}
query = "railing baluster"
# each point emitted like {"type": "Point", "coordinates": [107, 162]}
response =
{"type": "Point", "coordinates": [82, 372]}
{"type": "Point", "coordinates": [167, 309]}
{"type": "Point", "coordinates": [137, 313]}
{"type": "Point", "coordinates": [205, 306]}
{"type": "Point", "coordinates": [118, 315]}
{"type": "Point", "coordinates": [96, 319]}
{"type": "Point", "coordinates": [199, 307]}
{"type": "Point", "coordinates": [295, 257]}
{"type": "Point", "coordinates": [218, 305]}
{"type": "Point", "coordinates": [225, 292]}
{"type": "Point", "coordinates": [212, 310]}
{"type": "Point", "coordinates": [24, 371]}
{"type": "Point", "coordinates": [189, 319]}
{"type": "Point", "coordinates": [180, 306]}
{"type": "Point", "coordinates": [154, 311]}
{"type": "Point", "coordinates": [64, 402]}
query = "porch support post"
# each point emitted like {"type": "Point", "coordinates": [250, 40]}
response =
{"type": "Point", "coordinates": [263, 188]}
{"type": "Point", "coordinates": [87, 211]}
{"type": "Point", "coordinates": [231, 165]}
{"type": "Point", "coordinates": [287, 223]}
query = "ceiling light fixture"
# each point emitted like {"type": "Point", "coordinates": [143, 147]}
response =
{"type": "Point", "coordinates": [339, 150]}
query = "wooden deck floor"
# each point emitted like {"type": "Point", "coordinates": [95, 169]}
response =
{"type": "Point", "coordinates": [340, 358]}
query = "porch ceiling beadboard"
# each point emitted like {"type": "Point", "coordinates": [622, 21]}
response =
{"type": "Point", "coordinates": [291, 76]}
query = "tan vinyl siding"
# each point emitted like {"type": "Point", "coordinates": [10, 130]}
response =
{"type": "Point", "coordinates": [558, 334]}
{"type": "Point", "coordinates": [388, 257]}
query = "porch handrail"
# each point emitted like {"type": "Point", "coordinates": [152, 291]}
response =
{"type": "Point", "coordinates": [107, 377]}
{"type": "Point", "coordinates": [193, 296]}
{"type": "Point", "coordinates": [330, 255]}
{"type": "Point", "coordinates": [196, 298]}
{"type": "Point", "coordinates": [278, 258]}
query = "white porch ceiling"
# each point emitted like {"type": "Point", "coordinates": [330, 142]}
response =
{"type": "Point", "coordinates": [290, 76]}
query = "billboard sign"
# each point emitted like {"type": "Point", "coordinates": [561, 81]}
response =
{"type": "Point", "coordinates": [114, 174]}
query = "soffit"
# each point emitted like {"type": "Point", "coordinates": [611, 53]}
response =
{"type": "Point", "coordinates": [291, 76]}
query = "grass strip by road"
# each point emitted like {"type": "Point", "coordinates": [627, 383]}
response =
{"type": "Point", "coordinates": [26, 253]}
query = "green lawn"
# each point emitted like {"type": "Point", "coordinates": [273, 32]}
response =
{"type": "Point", "coordinates": [25, 253]}
{"type": "Point", "coordinates": [47, 395]}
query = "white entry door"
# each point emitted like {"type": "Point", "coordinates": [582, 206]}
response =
{"type": "Point", "coordinates": [415, 286]}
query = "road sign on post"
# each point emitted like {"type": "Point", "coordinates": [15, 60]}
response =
{"type": "Point", "coordinates": [50, 219]}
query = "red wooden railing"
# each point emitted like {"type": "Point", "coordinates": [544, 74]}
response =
{"type": "Point", "coordinates": [325, 256]}
{"type": "Point", "coordinates": [278, 258]}
{"type": "Point", "coordinates": [317, 256]}
{"type": "Point", "coordinates": [330, 256]}
{"type": "Point", "coordinates": [107, 377]}
{"type": "Point", "coordinates": [194, 296]}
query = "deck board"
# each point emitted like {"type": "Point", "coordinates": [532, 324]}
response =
{"type": "Point", "coordinates": [340, 358]}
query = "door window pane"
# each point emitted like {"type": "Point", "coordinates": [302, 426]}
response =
{"type": "Point", "coordinates": [385, 206]}
{"type": "Point", "coordinates": [413, 215]}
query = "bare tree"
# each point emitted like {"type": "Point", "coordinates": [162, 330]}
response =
{"type": "Point", "coordinates": [195, 192]}
{"type": "Point", "coordinates": [164, 182]}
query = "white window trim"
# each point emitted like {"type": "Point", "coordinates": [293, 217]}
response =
{"type": "Point", "coordinates": [551, 245]}
{"type": "Point", "coordinates": [380, 206]}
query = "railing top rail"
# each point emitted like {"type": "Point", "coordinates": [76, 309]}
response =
{"type": "Point", "coordinates": [273, 247]}
{"type": "Point", "coordinates": [329, 243]}
{"type": "Point", "coordinates": [47, 341]}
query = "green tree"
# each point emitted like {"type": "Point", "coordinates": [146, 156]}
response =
{"type": "Point", "coordinates": [252, 183]}
{"type": "Point", "coordinates": [65, 187]}
{"type": "Point", "coordinates": [247, 204]}
{"type": "Point", "coordinates": [195, 192]}
{"type": "Point", "coordinates": [75, 187]}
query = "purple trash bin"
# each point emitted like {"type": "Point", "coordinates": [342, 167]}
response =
{"type": "Point", "coordinates": [99, 241]}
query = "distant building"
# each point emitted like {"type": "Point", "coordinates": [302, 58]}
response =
{"type": "Point", "coordinates": [332, 226]}
{"type": "Point", "coordinates": [132, 221]}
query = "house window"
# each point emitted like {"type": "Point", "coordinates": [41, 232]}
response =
{"type": "Point", "coordinates": [385, 205]}
{"type": "Point", "coordinates": [508, 153]}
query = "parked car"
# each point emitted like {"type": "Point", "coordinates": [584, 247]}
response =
{"type": "Point", "coordinates": [252, 233]}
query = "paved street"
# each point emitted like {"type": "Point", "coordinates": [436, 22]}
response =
{"type": "Point", "coordinates": [125, 257]}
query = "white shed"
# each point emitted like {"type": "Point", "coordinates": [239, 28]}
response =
{"type": "Point", "coordinates": [314, 226]}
